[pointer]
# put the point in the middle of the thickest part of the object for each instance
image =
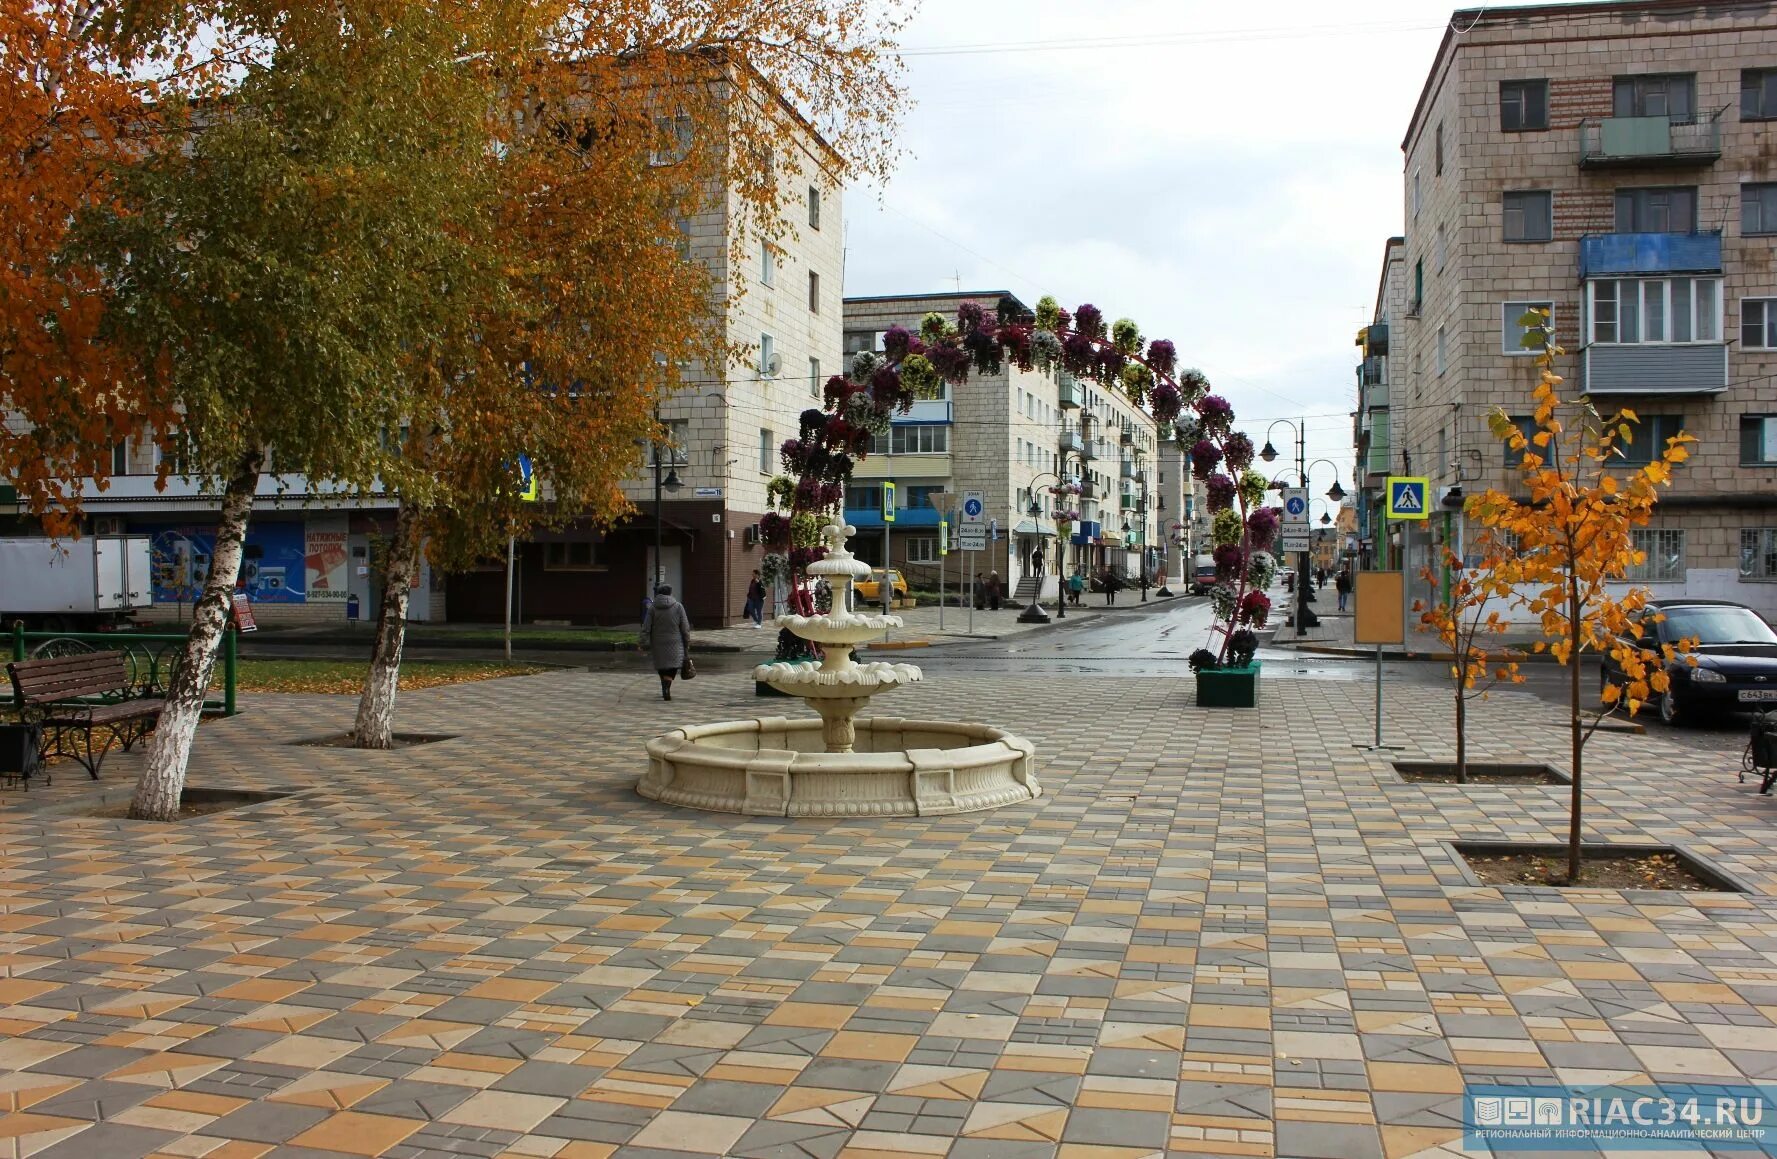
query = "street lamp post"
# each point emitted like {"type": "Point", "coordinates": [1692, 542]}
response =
{"type": "Point", "coordinates": [670, 484]}
{"type": "Point", "coordinates": [1035, 613]}
{"type": "Point", "coordinates": [1336, 493]}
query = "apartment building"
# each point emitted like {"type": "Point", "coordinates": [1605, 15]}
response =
{"type": "Point", "coordinates": [782, 306]}
{"type": "Point", "coordinates": [1610, 162]}
{"type": "Point", "coordinates": [1370, 422]}
{"type": "Point", "coordinates": [1012, 436]}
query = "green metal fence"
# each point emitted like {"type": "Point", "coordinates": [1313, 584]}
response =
{"type": "Point", "coordinates": [150, 657]}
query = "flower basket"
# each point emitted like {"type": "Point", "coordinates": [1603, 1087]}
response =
{"type": "Point", "coordinates": [1228, 687]}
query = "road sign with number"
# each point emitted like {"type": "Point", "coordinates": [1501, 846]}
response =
{"type": "Point", "coordinates": [1295, 507]}
{"type": "Point", "coordinates": [974, 509]}
{"type": "Point", "coordinates": [971, 537]}
{"type": "Point", "coordinates": [1292, 539]}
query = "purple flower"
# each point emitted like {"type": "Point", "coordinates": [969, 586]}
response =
{"type": "Point", "coordinates": [1162, 356]}
{"type": "Point", "coordinates": [792, 453]}
{"type": "Point", "coordinates": [1261, 528]}
{"type": "Point", "coordinates": [1228, 559]}
{"type": "Point", "coordinates": [838, 432]}
{"type": "Point", "coordinates": [832, 494]}
{"type": "Point", "coordinates": [951, 362]}
{"type": "Point", "coordinates": [1221, 491]}
{"type": "Point", "coordinates": [885, 388]}
{"type": "Point", "coordinates": [984, 350]}
{"type": "Point", "coordinates": [1089, 320]}
{"type": "Point", "coordinates": [1215, 414]}
{"type": "Point", "coordinates": [774, 530]}
{"type": "Point", "coordinates": [811, 421]}
{"type": "Point", "coordinates": [808, 493]}
{"type": "Point", "coordinates": [1239, 451]}
{"type": "Point", "coordinates": [969, 317]}
{"type": "Point", "coordinates": [896, 341]}
{"type": "Point", "coordinates": [1205, 456]}
{"type": "Point", "coordinates": [1110, 364]}
{"type": "Point", "coordinates": [1255, 609]}
{"type": "Point", "coordinates": [1166, 402]}
{"type": "Point", "coordinates": [1079, 354]}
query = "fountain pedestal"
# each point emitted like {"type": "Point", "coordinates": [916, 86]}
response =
{"type": "Point", "coordinates": [841, 765]}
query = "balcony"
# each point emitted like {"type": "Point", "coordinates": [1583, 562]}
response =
{"type": "Point", "coordinates": [1094, 449]}
{"type": "Point", "coordinates": [1641, 142]}
{"type": "Point", "coordinates": [1376, 340]}
{"type": "Point", "coordinates": [1069, 394]}
{"type": "Point", "coordinates": [1127, 501]}
{"type": "Point", "coordinates": [1376, 397]}
{"type": "Point", "coordinates": [1654, 368]}
{"type": "Point", "coordinates": [1126, 438]}
{"type": "Point", "coordinates": [1369, 372]}
{"type": "Point", "coordinates": [1126, 469]}
{"type": "Point", "coordinates": [1072, 443]}
{"type": "Point", "coordinates": [1376, 455]}
{"type": "Point", "coordinates": [926, 410]}
{"type": "Point", "coordinates": [1615, 255]}
{"type": "Point", "coordinates": [1087, 491]}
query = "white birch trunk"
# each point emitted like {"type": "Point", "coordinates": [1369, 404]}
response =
{"type": "Point", "coordinates": [163, 779]}
{"type": "Point", "coordinates": [375, 728]}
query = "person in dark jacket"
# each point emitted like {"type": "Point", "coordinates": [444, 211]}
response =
{"type": "Point", "coordinates": [994, 590]}
{"type": "Point", "coordinates": [755, 609]}
{"type": "Point", "coordinates": [666, 636]}
{"type": "Point", "coordinates": [1342, 584]}
{"type": "Point", "coordinates": [1111, 584]}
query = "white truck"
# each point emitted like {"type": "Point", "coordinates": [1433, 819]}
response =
{"type": "Point", "coordinates": [69, 584]}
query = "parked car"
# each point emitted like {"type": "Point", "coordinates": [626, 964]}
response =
{"type": "Point", "coordinates": [1736, 658]}
{"type": "Point", "coordinates": [869, 590]}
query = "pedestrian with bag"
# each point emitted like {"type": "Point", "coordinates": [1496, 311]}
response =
{"type": "Point", "coordinates": [755, 609]}
{"type": "Point", "coordinates": [1076, 587]}
{"type": "Point", "coordinates": [1342, 584]}
{"type": "Point", "coordinates": [993, 591]}
{"type": "Point", "coordinates": [666, 637]}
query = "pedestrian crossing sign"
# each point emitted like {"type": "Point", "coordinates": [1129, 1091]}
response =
{"type": "Point", "coordinates": [1406, 497]}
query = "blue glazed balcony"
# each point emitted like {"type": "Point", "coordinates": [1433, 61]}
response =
{"type": "Point", "coordinates": [1616, 255]}
{"type": "Point", "coordinates": [905, 517]}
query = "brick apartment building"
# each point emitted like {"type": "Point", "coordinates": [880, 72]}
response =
{"type": "Point", "coordinates": [1613, 162]}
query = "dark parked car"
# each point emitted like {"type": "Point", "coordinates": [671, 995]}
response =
{"type": "Point", "coordinates": [1736, 653]}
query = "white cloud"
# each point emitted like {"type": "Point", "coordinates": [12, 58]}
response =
{"type": "Point", "coordinates": [1229, 184]}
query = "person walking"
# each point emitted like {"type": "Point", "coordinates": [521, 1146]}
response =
{"type": "Point", "coordinates": [980, 591]}
{"type": "Point", "coordinates": [1076, 587]}
{"type": "Point", "coordinates": [755, 610]}
{"type": "Point", "coordinates": [1111, 583]}
{"type": "Point", "coordinates": [993, 591]}
{"type": "Point", "coordinates": [666, 637]}
{"type": "Point", "coordinates": [1342, 585]}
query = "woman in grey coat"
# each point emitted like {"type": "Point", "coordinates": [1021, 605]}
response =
{"type": "Point", "coordinates": [666, 636]}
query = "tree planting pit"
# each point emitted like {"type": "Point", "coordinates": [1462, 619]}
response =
{"type": "Point", "coordinates": [1603, 865]}
{"type": "Point", "coordinates": [1479, 773]}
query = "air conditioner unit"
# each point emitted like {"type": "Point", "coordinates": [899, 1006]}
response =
{"type": "Point", "coordinates": [752, 535]}
{"type": "Point", "coordinates": [108, 525]}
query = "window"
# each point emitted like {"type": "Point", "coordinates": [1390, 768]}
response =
{"type": "Point", "coordinates": [1438, 151]}
{"type": "Point", "coordinates": [1418, 287]}
{"type": "Point", "coordinates": [1441, 249]}
{"type": "Point", "coordinates": [864, 497]}
{"type": "Point", "coordinates": [767, 451]}
{"type": "Point", "coordinates": [814, 207]}
{"type": "Point", "coordinates": [1758, 94]}
{"type": "Point", "coordinates": [1527, 427]}
{"type": "Point", "coordinates": [1758, 440]}
{"type": "Point", "coordinates": [678, 434]}
{"type": "Point", "coordinates": [1758, 323]}
{"type": "Point", "coordinates": [672, 140]}
{"type": "Point", "coordinates": [1529, 216]}
{"type": "Point", "coordinates": [814, 377]}
{"type": "Point", "coordinates": [1513, 333]}
{"type": "Point", "coordinates": [1758, 208]}
{"type": "Point", "coordinates": [1523, 105]}
{"type": "Point", "coordinates": [1441, 361]}
{"type": "Point", "coordinates": [768, 360]}
{"type": "Point", "coordinates": [1664, 549]}
{"type": "Point", "coordinates": [682, 237]}
{"type": "Point", "coordinates": [120, 457]}
{"type": "Point", "coordinates": [858, 341]}
{"type": "Point", "coordinates": [1665, 209]}
{"type": "Point", "coordinates": [572, 557]}
{"type": "Point", "coordinates": [767, 264]}
{"type": "Point", "coordinates": [1417, 200]}
{"type": "Point", "coordinates": [920, 496]}
{"type": "Point", "coordinates": [1653, 310]}
{"type": "Point", "coordinates": [921, 548]}
{"type": "Point", "coordinates": [1758, 553]}
{"type": "Point", "coordinates": [909, 439]}
{"type": "Point", "coordinates": [814, 292]}
{"type": "Point", "coordinates": [1658, 95]}
{"type": "Point", "coordinates": [1649, 439]}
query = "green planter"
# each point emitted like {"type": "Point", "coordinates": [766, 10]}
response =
{"type": "Point", "coordinates": [1228, 687]}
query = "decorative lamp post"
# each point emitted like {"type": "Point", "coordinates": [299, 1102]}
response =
{"type": "Point", "coordinates": [1304, 618]}
{"type": "Point", "coordinates": [1035, 613]}
{"type": "Point", "coordinates": [671, 485]}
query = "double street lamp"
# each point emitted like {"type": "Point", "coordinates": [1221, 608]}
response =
{"type": "Point", "coordinates": [1336, 493]}
{"type": "Point", "coordinates": [1035, 613]}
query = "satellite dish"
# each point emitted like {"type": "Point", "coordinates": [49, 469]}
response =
{"type": "Point", "coordinates": [774, 365]}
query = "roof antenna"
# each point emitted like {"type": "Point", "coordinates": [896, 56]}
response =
{"type": "Point", "coordinates": [957, 277]}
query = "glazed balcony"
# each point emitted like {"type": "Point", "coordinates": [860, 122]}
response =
{"type": "Point", "coordinates": [1642, 142]}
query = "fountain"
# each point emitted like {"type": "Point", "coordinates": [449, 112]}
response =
{"type": "Point", "coordinates": [842, 764]}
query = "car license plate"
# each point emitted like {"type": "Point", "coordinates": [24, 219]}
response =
{"type": "Point", "coordinates": [1748, 695]}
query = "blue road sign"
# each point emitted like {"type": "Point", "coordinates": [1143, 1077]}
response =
{"type": "Point", "coordinates": [1296, 506]}
{"type": "Point", "coordinates": [972, 508]}
{"type": "Point", "coordinates": [1406, 497]}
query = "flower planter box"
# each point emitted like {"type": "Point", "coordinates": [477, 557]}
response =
{"type": "Point", "coordinates": [1229, 687]}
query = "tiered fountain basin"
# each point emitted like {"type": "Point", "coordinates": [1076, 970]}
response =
{"type": "Point", "coordinates": [841, 765]}
{"type": "Point", "coordinates": [777, 767]}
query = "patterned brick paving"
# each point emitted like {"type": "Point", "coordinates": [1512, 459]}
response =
{"type": "Point", "coordinates": [1226, 933]}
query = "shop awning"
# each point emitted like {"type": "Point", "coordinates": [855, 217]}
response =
{"type": "Point", "coordinates": [1032, 527]}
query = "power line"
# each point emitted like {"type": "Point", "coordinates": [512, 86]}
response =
{"type": "Point", "coordinates": [1169, 39]}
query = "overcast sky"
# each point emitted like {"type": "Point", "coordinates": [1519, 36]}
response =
{"type": "Point", "coordinates": [1225, 174]}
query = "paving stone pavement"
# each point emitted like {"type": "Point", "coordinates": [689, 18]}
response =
{"type": "Point", "coordinates": [1217, 933]}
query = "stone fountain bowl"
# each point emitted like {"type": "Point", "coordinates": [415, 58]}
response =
{"type": "Point", "coordinates": [776, 767]}
{"type": "Point", "coordinates": [849, 628]}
